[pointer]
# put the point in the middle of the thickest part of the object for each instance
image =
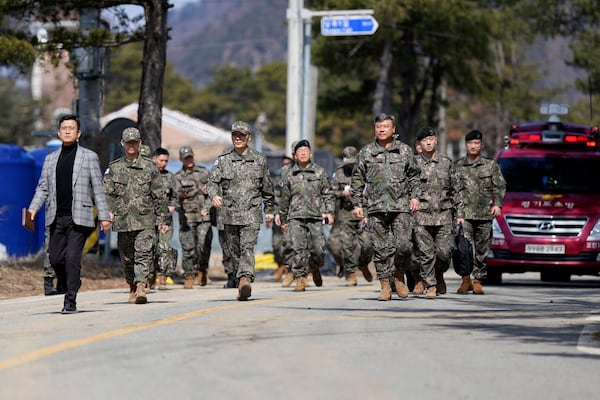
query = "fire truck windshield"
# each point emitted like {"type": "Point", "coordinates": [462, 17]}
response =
{"type": "Point", "coordinates": [551, 175]}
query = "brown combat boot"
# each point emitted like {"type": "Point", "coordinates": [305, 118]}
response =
{"type": "Point", "coordinates": [465, 286]}
{"type": "Point", "coordinates": [279, 273]}
{"type": "Point", "coordinates": [140, 293]}
{"type": "Point", "coordinates": [401, 287]}
{"type": "Point", "coordinates": [202, 277]}
{"type": "Point", "coordinates": [364, 268]}
{"type": "Point", "coordinates": [316, 275]}
{"type": "Point", "coordinates": [132, 289]}
{"type": "Point", "coordinates": [151, 282]}
{"type": "Point", "coordinates": [440, 286]}
{"type": "Point", "coordinates": [244, 289]}
{"type": "Point", "coordinates": [288, 278]}
{"type": "Point", "coordinates": [430, 293]}
{"type": "Point", "coordinates": [419, 287]}
{"type": "Point", "coordinates": [477, 287]}
{"type": "Point", "coordinates": [386, 290]}
{"type": "Point", "coordinates": [300, 284]}
{"type": "Point", "coordinates": [189, 282]}
{"type": "Point", "coordinates": [351, 279]}
{"type": "Point", "coordinates": [162, 282]}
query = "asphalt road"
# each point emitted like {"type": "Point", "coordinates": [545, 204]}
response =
{"type": "Point", "coordinates": [524, 339]}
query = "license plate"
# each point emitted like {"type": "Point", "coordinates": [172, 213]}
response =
{"type": "Point", "coordinates": [545, 248]}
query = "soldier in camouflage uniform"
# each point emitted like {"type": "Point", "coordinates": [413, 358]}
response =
{"type": "Point", "coordinates": [484, 188]}
{"type": "Point", "coordinates": [440, 203]}
{"type": "Point", "coordinates": [356, 251]}
{"type": "Point", "coordinates": [138, 206]}
{"type": "Point", "coordinates": [385, 188]}
{"type": "Point", "coordinates": [239, 184]}
{"type": "Point", "coordinates": [306, 203]}
{"type": "Point", "coordinates": [195, 230]}
{"type": "Point", "coordinates": [165, 256]}
{"type": "Point", "coordinates": [278, 236]}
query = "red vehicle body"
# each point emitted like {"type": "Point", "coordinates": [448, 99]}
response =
{"type": "Point", "coordinates": [550, 220]}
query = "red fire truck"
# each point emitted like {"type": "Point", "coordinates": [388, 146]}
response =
{"type": "Point", "coordinates": [550, 221]}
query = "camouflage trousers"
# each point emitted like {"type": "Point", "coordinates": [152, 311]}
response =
{"type": "Point", "coordinates": [308, 244]}
{"type": "Point", "coordinates": [227, 264]}
{"type": "Point", "coordinates": [165, 256]}
{"type": "Point", "coordinates": [391, 235]}
{"type": "Point", "coordinates": [277, 241]}
{"type": "Point", "coordinates": [196, 242]}
{"type": "Point", "coordinates": [136, 249]}
{"type": "Point", "coordinates": [433, 247]}
{"type": "Point", "coordinates": [238, 242]}
{"type": "Point", "coordinates": [479, 233]}
{"type": "Point", "coordinates": [355, 245]}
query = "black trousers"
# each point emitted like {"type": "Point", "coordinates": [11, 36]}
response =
{"type": "Point", "coordinates": [65, 248]}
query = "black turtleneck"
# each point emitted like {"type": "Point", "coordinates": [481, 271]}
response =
{"type": "Point", "coordinates": [64, 180]}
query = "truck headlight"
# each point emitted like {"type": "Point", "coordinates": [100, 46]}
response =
{"type": "Point", "coordinates": [594, 233]}
{"type": "Point", "coordinates": [497, 232]}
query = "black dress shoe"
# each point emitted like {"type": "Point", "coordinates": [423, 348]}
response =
{"type": "Point", "coordinates": [69, 309]}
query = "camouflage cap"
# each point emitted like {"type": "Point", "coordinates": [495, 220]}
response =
{"type": "Point", "coordinates": [130, 134]}
{"type": "Point", "coordinates": [350, 154]}
{"type": "Point", "coordinates": [185, 151]}
{"type": "Point", "coordinates": [240, 126]}
{"type": "Point", "coordinates": [294, 143]}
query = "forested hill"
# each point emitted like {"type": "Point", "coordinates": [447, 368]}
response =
{"type": "Point", "coordinates": [213, 33]}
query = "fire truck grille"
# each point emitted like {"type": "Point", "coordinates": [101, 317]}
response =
{"type": "Point", "coordinates": [545, 226]}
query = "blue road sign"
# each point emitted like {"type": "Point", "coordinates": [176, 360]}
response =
{"type": "Point", "coordinates": [348, 25]}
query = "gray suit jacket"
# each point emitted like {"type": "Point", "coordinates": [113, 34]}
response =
{"type": "Point", "coordinates": [87, 188]}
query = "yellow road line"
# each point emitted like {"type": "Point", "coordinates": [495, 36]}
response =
{"type": "Point", "coordinates": [50, 350]}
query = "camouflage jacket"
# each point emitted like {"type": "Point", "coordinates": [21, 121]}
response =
{"type": "Point", "coordinates": [189, 187]}
{"type": "Point", "coordinates": [384, 180]}
{"type": "Point", "coordinates": [483, 186]}
{"type": "Point", "coordinates": [440, 199]}
{"type": "Point", "coordinates": [167, 183]}
{"type": "Point", "coordinates": [244, 183]}
{"type": "Point", "coordinates": [305, 194]}
{"type": "Point", "coordinates": [135, 195]}
{"type": "Point", "coordinates": [342, 177]}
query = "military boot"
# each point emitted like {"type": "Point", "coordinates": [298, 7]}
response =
{"type": "Point", "coordinates": [300, 284]}
{"type": "Point", "coordinates": [430, 293]}
{"type": "Point", "coordinates": [49, 289]}
{"type": "Point", "coordinates": [465, 286]}
{"type": "Point", "coordinates": [316, 275]}
{"type": "Point", "coordinates": [202, 277]}
{"type": "Point", "coordinates": [162, 282]}
{"type": "Point", "coordinates": [477, 287]}
{"type": "Point", "coordinates": [440, 286]}
{"type": "Point", "coordinates": [151, 282]}
{"type": "Point", "coordinates": [351, 279]}
{"type": "Point", "coordinates": [140, 293]}
{"type": "Point", "coordinates": [245, 289]}
{"type": "Point", "coordinates": [386, 290]}
{"type": "Point", "coordinates": [232, 281]}
{"type": "Point", "coordinates": [364, 268]}
{"type": "Point", "coordinates": [419, 287]}
{"type": "Point", "coordinates": [132, 289]}
{"type": "Point", "coordinates": [401, 287]}
{"type": "Point", "coordinates": [188, 283]}
{"type": "Point", "coordinates": [288, 278]}
{"type": "Point", "coordinates": [279, 273]}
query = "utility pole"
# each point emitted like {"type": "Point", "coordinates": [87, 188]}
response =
{"type": "Point", "coordinates": [294, 74]}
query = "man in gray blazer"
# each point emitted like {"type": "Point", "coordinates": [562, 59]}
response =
{"type": "Point", "coordinates": [70, 185]}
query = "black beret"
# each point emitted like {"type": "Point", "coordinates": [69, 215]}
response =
{"type": "Point", "coordinates": [425, 132]}
{"type": "Point", "coordinates": [473, 135]}
{"type": "Point", "coordinates": [301, 143]}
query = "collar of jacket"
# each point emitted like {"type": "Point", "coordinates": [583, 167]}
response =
{"type": "Point", "coordinates": [310, 168]}
{"type": "Point", "coordinates": [250, 156]}
{"type": "Point", "coordinates": [435, 158]}
{"type": "Point", "coordinates": [378, 149]}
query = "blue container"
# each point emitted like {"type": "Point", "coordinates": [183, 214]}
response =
{"type": "Point", "coordinates": [17, 185]}
{"type": "Point", "coordinates": [39, 155]}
